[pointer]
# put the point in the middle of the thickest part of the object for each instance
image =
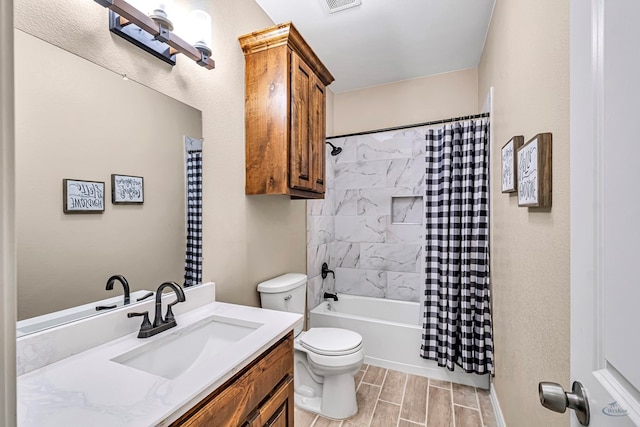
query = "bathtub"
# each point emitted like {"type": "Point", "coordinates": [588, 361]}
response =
{"type": "Point", "coordinates": [391, 335]}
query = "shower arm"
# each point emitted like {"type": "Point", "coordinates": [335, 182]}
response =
{"type": "Point", "coordinates": [335, 150]}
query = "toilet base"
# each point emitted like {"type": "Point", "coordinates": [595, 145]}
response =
{"type": "Point", "coordinates": [313, 404]}
{"type": "Point", "coordinates": [338, 400]}
{"type": "Point", "coordinates": [309, 404]}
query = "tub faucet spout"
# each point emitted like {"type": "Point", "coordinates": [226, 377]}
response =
{"type": "Point", "coordinates": [327, 295]}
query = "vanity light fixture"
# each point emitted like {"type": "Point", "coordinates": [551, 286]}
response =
{"type": "Point", "coordinates": [154, 32]}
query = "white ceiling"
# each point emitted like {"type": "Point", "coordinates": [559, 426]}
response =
{"type": "Point", "coordinates": [382, 41]}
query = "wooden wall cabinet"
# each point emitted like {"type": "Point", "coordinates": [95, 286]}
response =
{"type": "Point", "coordinates": [285, 114]}
{"type": "Point", "coordinates": [259, 395]}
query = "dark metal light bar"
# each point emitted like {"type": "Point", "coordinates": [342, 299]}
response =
{"type": "Point", "coordinates": [134, 26]}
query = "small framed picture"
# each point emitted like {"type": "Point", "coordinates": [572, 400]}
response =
{"type": "Point", "coordinates": [79, 196]}
{"type": "Point", "coordinates": [127, 190]}
{"type": "Point", "coordinates": [534, 172]}
{"type": "Point", "coordinates": [509, 170]}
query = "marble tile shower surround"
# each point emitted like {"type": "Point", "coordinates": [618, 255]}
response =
{"type": "Point", "coordinates": [374, 246]}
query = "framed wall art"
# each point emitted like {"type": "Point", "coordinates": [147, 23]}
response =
{"type": "Point", "coordinates": [126, 189]}
{"type": "Point", "coordinates": [79, 196]}
{"type": "Point", "coordinates": [509, 170]}
{"type": "Point", "coordinates": [534, 172]}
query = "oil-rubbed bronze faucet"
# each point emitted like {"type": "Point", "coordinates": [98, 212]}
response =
{"type": "Point", "coordinates": [125, 285]}
{"type": "Point", "coordinates": [325, 271]}
{"type": "Point", "coordinates": [328, 295]}
{"type": "Point", "coordinates": [147, 329]}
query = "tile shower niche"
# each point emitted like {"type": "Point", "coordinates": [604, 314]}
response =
{"type": "Point", "coordinates": [407, 209]}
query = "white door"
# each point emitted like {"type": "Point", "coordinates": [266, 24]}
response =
{"type": "Point", "coordinates": [605, 208]}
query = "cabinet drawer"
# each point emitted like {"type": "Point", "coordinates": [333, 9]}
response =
{"type": "Point", "coordinates": [278, 410]}
{"type": "Point", "coordinates": [231, 404]}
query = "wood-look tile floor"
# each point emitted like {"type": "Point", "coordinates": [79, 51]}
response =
{"type": "Point", "coordinates": [388, 398]}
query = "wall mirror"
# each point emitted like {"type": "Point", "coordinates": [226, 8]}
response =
{"type": "Point", "coordinates": [77, 120]}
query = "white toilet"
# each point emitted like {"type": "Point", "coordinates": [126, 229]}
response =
{"type": "Point", "coordinates": [325, 359]}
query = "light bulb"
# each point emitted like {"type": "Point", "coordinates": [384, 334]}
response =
{"type": "Point", "coordinates": [164, 5]}
{"type": "Point", "coordinates": [160, 12]}
{"type": "Point", "coordinates": [199, 34]}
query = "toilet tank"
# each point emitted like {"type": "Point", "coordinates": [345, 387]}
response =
{"type": "Point", "coordinates": [285, 293]}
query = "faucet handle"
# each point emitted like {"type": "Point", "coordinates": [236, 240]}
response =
{"type": "Point", "coordinates": [146, 324]}
{"type": "Point", "coordinates": [145, 296]}
{"type": "Point", "coordinates": [170, 317]}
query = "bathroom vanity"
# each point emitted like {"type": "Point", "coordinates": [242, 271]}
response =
{"type": "Point", "coordinates": [222, 365]}
{"type": "Point", "coordinates": [261, 394]}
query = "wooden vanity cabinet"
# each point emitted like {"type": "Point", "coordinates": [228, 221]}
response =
{"type": "Point", "coordinates": [261, 394]}
{"type": "Point", "coordinates": [285, 114]}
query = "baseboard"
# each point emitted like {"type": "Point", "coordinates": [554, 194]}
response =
{"type": "Point", "coordinates": [496, 407]}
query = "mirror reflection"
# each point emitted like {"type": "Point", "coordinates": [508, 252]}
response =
{"type": "Point", "coordinates": [76, 120]}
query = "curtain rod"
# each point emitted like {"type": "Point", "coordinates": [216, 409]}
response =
{"type": "Point", "coordinates": [435, 122]}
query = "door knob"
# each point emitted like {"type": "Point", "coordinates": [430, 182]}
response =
{"type": "Point", "coordinates": [553, 396]}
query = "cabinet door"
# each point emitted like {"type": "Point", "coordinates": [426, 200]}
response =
{"type": "Point", "coordinates": [300, 159]}
{"type": "Point", "coordinates": [277, 411]}
{"type": "Point", "coordinates": [317, 134]}
{"type": "Point", "coordinates": [256, 386]}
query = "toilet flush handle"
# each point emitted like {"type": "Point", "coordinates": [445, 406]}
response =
{"type": "Point", "coordinates": [287, 298]}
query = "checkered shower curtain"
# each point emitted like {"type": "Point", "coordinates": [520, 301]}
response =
{"type": "Point", "coordinates": [457, 315]}
{"type": "Point", "coordinates": [193, 258]}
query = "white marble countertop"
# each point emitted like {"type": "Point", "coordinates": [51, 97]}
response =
{"type": "Point", "coordinates": [89, 389]}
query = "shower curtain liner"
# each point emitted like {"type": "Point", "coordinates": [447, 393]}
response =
{"type": "Point", "coordinates": [457, 315]}
{"type": "Point", "coordinates": [193, 257]}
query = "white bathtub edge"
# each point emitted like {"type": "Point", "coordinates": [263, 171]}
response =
{"type": "Point", "coordinates": [496, 406]}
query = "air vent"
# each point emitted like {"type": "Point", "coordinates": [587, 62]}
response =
{"type": "Point", "coordinates": [338, 5]}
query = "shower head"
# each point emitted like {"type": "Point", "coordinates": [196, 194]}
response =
{"type": "Point", "coordinates": [335, 150]}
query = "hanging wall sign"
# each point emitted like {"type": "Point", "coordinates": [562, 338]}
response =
{"type": "Point", "coordinates": [127, 189]}
{"type": "Point", "coordinates": [534, 172]}
{"type": "Point", "coordinates": [82, 196]}
{"type": "Point", "coordinates": [509, 170]}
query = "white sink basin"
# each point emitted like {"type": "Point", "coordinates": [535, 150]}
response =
{"type": "Point", "coordinates": [46, 321]}
{"type": "Point", "coordinates": [173, 353]}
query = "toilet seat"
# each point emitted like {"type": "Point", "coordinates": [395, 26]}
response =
{"type": "Point", "coordinates": [331, 341]}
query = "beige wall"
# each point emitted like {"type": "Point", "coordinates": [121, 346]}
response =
{"type": "Point", "coordinates": [526, 60]}
{"type": "Point", "coordinates": [330, 112]}
{"type": "Point", "coordinates": [246, 239]}
{"type": "Point", "coordinates": [407, 102]}
{"type": "Point", "coordinates": [81, 121]}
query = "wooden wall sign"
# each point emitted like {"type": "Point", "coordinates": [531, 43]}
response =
{"type": "Point", "coordinates": [127, 190]}
{"type": "Point", "coordinates": [509, 170]}
{"type": "Point", "coordinates": [80, 196]}
{"type": "Point", "coordinates": [534, 172]}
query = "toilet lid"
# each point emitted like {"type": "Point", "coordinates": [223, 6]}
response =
{"type": "Point", "coordinates": [331, 341]}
